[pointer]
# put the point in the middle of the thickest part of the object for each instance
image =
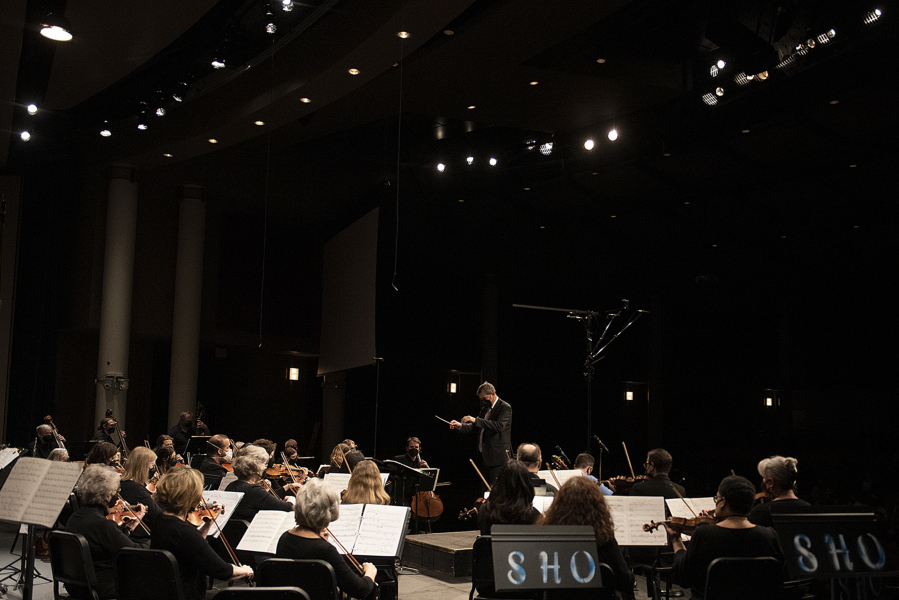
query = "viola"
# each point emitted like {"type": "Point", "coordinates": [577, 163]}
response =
{"type": "Point", "coordinates": [427, 505]}
{"type": "Point", "coordinates": [123, 513]}
{"type": "Point", "coordinates": [205, 513]}
{"type": "Point", "coordinates": [622, 485]}
{"type": "Point", "coordinates": [685, 525]}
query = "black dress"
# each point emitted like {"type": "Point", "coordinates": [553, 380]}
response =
{"type": "Point", "coordinates": [487, 518]}
{"type": "Point", "coordinates": [105, 539]}
{"type": "Point", "coordinates": [255, 498]}
{"type": "Point", "coordinates": [134, 494]}
{"type": "Point", "coordinates": [196, 559]}
{"type": "Point", "coordinates": [710, 542]}
{"type": "Point", "coordinates": [761, 514]}
{"type": "Point", "coordinates": [349, 581]}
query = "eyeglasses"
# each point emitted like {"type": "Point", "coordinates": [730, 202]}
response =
{"type": "Point", "coordinates": [718, 498]}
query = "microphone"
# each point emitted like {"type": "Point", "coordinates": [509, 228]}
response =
{"type": "Point", "coordinates": [601, 445]}
{"type": "Point", "coordinates": [562, 454]}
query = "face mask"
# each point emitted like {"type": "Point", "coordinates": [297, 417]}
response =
{"type": "Point", "coordinates": [228, 454]}
{"type": "Point", "coordinates": [46, 439]}
{"type": "Point", "coordinates": [413, 452]}
{"type": "Point", "coordinates": [485, 403]}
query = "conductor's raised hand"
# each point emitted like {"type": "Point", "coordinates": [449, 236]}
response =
{"type": "Point", "coordinates": [455, 424]}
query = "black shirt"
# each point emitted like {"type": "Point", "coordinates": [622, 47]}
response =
{"type": "Point", "coordinates": [39, 449]}
{"type": "Point", "coordinates": [537, 482]}
{"type": "Point", "coordinates": [213, 473]}
{"type": "Point", "coordinates": [350, 582]}
{"type": "Point", "coordinates": [196, 559]}
{"type": "Point", "coordinates": [134, 494]}
{"type": "Point", "coordinates": [710, 542]}
{"type": "Point", "coordinates": [660, 485]}
{"type": "Point", "coordinates": [255, 498]}
{"type": "Point", "coordinates": [487, 518]}
{"type": "Point", "coordinates": [761, 514]}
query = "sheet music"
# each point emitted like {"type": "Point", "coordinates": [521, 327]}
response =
{"type": "Point", "coordinates": [226, 481]}
{"type": "Point", "coordinates": [630, 513]}
{"type": "Point", "coordinates": [229, 500]}
{"type": "Point", "coordinates": [381, 530]}
{"type": "Point", "coordinates": [678, 508]}
{"type": "Point", "coordinates": [265, 530]}
{"type": "Point", "coordinates": [7, 455]}
{"type": "Point", "coordinates": [338, 481]}
{"type": "Point", "coordinates": [37, 490]}
{"type": "Point", "coordinates": [541, 503]}
{"type": "Point", "coordinates": [562, 476]}
{"type": "Point", "coordinates": [346, 527]}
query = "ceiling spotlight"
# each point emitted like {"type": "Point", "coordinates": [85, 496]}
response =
{"type": "Point", "coordinates": [260, 123]}
{"type": "Point", "coordinates": [762, 76]}
{"type": "Point", "coordinates": [142, 126]}
{"type": "Point", "coordinates": [213, 141]}
{"type": "Point", "coordinates": [471, 107]}
{"type": "Point", "coordinates": [492, 162]}
{"type": "Point", "coordinates": [271, 28]}
{"type": "Point", "coordinates": [744, 131]}
{"type": "Point", "coordinates": [470, 160]}
{"type": "Point", "coordinates": [719, 91]}
{"type": "Point", "coordinates": [441, 167]}
{"type": "Point", "coordinates": [448, 32]}
{"type": "Point", "coordinates": [353, 71]}
{"type": "Point", "coordinates": [177, 97]}
{"type": "Point", "coordinates": [287, 5]}
{"type": "Point", "coordinates": [601, 61]}
{"type": "Point", "coordinates": [160, 112]}
{"type": "Point", "coordinates": [105, 132]}
{"type": "Point", "coordinates": [713, 71]}
{"type": "Point", "coordinates": [741, 78]}
{"type": "Point", "coordinates": [25, 136]}
{"type": "Point", "coordinates": [167, 155]}
{"type": "Point", "coordinates": [218, 64]}
{"type": "Point", "coordinates": [32, 109]}
{"type": "Point", "coordinates": [613, 135]}
{"type": "Point", "coordinates": [305, 100]}
{"type": "Point", "coordinates": [56, 28]}
{"type": "Point", "coordinates": [402, 34]}
{"type": "Point", "coordinates": [810, 42]}
{"type": "Point", "coordinates": [834, 101]}
{"type": "Point", "coordinates": [720, 64]}
{"type": "Point", "coordinates": [872, 16]}
{"type": "Point", "coordinates": [710, 99]}
{"type": "Point", "coordinates": [589, 144]}
{"type": "Point", "coordinates": [546, 149]}
{"type": "Point", "coordinates": [534, 82]}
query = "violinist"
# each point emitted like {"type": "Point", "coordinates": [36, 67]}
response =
{"type": "Point", "coordinates": [658, 464]}
{"type": "Point", "coordinates": [59, 454]}
{"type": "Point", "coordinates": [317, 505]}
{"type": "Point", "coordinates": [140, 468]}
{"type": "Point", "coordinates": [249, 467]}
{"type": "Point", "coordinates": [167, 441]}
{"type": "Point", "coordinates": [779, 481]}
{"type": "Point", "coordinates": [344, 458]}
{"type": "Point", "coordinates": [412, 457]}
{"type": "Point", "coordinates": [219, 452]}
{"type": "Point", "coordinates": [103, 453]}
{"type": "Point", "coordinates": [178, 493]}
{"type": "Point", "coordinates": [584, 463]}
{"type": "Point", "coordinates": [511, 499]}
{"type": "Point", "coordinates": [165, 460]}
{"type": "Point", "coordinates": [97, 490]}
{"type": "Point", "coordinates": [366, 486]}
{"type": "Point", "coordinates": [185, 428]}
{"type": "Point", "coordinates": [45, 442]}
{"type": "Point", "coordinates": [531, 456]}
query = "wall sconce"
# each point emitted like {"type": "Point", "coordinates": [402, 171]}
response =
{"type": "Point", "coordinates": [628, 395]}
{"type": "Point", "coordinates": [293, 374]}
{"type": "Point", "coordinates": [769, 401]}
{"type": "Point", "coordinates": [451, 387]}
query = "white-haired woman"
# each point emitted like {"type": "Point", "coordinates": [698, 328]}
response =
{"type": "Point", "coordinates": [318, 504]}
{"type": "Point", "coordinates": [97, 492]}
{"type": "Point", "coordinates": [779, 480]}
{"type": "Point", "coordinates": [248, 467]}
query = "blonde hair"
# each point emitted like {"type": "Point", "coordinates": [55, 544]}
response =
{"type": "Point", "coordinates": [137, 469]}
{"type": "Point", "coordinates": [366, 486]}
{"type": "Point", "coordinates": [180, 490]}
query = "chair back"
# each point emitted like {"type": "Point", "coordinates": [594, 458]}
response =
{"type": "Point", "coordinates": [143, 574]}
{"type": "Point", "coordinates": [744, 578]}
{"type": "Point", "coordinates": [482, 573]}
{"type": "Point", "coordinates": [263, 593]}
{"type": "Point", "coordinates": [315, 576]}
{"type": "Point", "coordinates": [70, 559]}
{"type": "Point", "coordinates": [233, 531]}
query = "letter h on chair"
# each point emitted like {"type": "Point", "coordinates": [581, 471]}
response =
{"type": "Point", "coordinates": [70, 559]}
{"type": "Point", "coordinates": [315, 577]}
{"type": "Point", "coordinates": [143, 574]}
{"type": "Point", "coordinates": [742, 578]}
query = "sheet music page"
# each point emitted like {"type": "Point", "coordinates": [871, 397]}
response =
{"type": "Point", "coordinates": [229, 500]}
{"type": "Point", "coordinates": [226, 481]}
{"type": "Point", "coordinates": [562, 476]}
{"type": "Point", "coordinates": [346, 527]}
{"type": "Point", "coordinates": [541, 503]}
{"type": "Point", "coordinates": [53, 493]}
{"type": "Point", "coordinates": [701, 504]}
{"type": "Point", "coordinates": [384, 478]}
{"type": "Point", "coordinates": [7, 455]}
{"type": "Point", "coordinates": [265, 530]}
{"type": "Point", "coordinates": [630, 513]}
{"type": "Point", "coordinates": [21, 487]}
{"type": "Point", "coordinates": [381, 531]}
{"type": "Point", "coordinates": [338, 481]}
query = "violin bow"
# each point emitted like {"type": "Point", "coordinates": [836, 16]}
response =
{"type": "Point", "coordinates": [221, 534]}
{"type": "Point", "coordinates": [343, 455]}
{"type": "Point", "coordinates": [479, 473]}
{"type": "Point", "coordinates": [286, 466]}
{"type": "Point", "coordinates": [684, 499]}
{"type": "Point", "coordinates": [628, 460]}
{"type": "Point", "coordinates": [553, 473]}
{"type": "Point", "coordinates": [347, 553]}
{"type": "Point", "coordinates": [133, 514]}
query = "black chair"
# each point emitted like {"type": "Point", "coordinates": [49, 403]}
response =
{"type": "Point", "coordinates": [147, 575]}
{"type": "Point", "coordinates": [742, 578]}
{"type": "Point", "coordinates": [316, 576]}
{"type": "Point", "coordinates": [482, 573]}
{"type": "Point", "coordinates": [233, 531]}
{"type": "Point", "coordinates": [263, 593]}
{"type": "Point", "coordinates": [70, 559]}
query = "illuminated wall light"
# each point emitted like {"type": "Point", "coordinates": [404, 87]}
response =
{"type": "Point", "coordinates": [492, 162]}
{"type": "Point", "coordinates": [452, 388]}
{"type": "Point", "coordinates": [25, 136]}
{"type": "Point", "coordinates": [105, 132]}
{"type": "Point", "coordinates": [629, 396]}
{"type": "Point", "coordinates": [441, 167]}
{"type": "Point", "coordinates": [305, 100]}
{"type": "Point", "coordinates": [32, 109]}
{"type": "Point", "coordinates": [353, 71]}
{"type": "Point", "coordinates": [546, 149]}
{"type": "Point", "coordinates": [470, 160]}
{"type": "Point", "coordinates": [402, 34]}
{"type": "Point", "coordinates": [769, 401]}
{"type": "Point", "coordinates": [872, 16]}
{"type": "Point", "coordinates": [613, 135]}
{"type": "Point", "coordinates": [589, 144]}
{"type": "Point", "coordinates": [217, 64]}
{"type": "Point", "coordinates": [293, 374]}
{"type": "Point", "coordinates": [710, 99]}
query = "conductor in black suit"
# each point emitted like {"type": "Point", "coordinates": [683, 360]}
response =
{"type": "Point", "coordinates": [494, 426]}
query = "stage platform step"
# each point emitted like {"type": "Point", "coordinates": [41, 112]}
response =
{"type": "Point", "coordinates": [444, 554]}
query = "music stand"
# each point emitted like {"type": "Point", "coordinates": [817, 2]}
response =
{"type": "Point", "coordinates": [406, 477]}
{"type": "Point", "coordinates": [197, 444]}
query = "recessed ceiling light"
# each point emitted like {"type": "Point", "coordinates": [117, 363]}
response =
{"type": "Point", "coordinates": [213, 141]}
{"type": "Point", "coordinates": [441, 167]}
{"type": "Point", "coordinates": [160, 112]}
{"type": "Point", "coordinates": [534, 82]}
{"type": "Point", "coordinates": [32, 109]}
{"type": "Point", "coordinates": [470, 160]}
{"type": "Point", "coordinates": [834, 101]}
{"type": "Point", "coordinates": [601, 60]}
{"type": "Point", "coordinates": [596, 173]}
{"type": "Point", "coordinates": [745, 131]}
{"type": "Point", "coordinates": [852, 166]}
{"type": "Point", "coordinates": [589, 144]}
{"type": "Point", "coordinates": [142, 126]}
{"type": "Point", "coordinates": [471, 107]}
{"type": "Point", "coordinates": [25, 136]}
{"type": "Point", "coordinates": [714, 245]}
{"type": "Point", "coordinates": [260, 123]}
{"type": "Point", "coordinates": [305, 100]}
{"type": "Point", "coordinates": [492, 162]}
{"type": "Point", "coordinates": [167, 155]}
{"type": "Point", "coordinates": [613, 135]}
{"type": "Point", "coordinates": [720, 64]}
{"type": "Point", "coordinates": [666, 154]}
{"type": "Point", "coordinates": [353, 71]}
{"type": "Point", "coordinates": [687, 202]}
{"type": "Point", "coordinates": [543, 227]}
{"type": "Point", "coordinates": [783, 237]}
{"type": "Point", "coordinates": [218, 64]}
{"type": "Point", "coordinates": [402, 34]}
{"type": "Point", "coordinates": [527, 189]}
{"type": "Point", "coordinates": [448, 32]}
{"type": "Point", "coordinates": [57, 28]}
{"type": "Point", "coordinates": [461, 200]}
{"type": "Point", "coordinates": [613, 216]}
{"type": "Point", "coordinates": [105, 133]}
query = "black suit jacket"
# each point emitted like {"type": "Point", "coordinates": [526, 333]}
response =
{"type": "Point", "coordinates": [497, 445]}
{"type": "Point", "coordinates": [659, 485]}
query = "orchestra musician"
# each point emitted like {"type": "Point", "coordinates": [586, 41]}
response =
{"type": "Point", "coordinates": [103, 453]}
{"type": "Point", "coordinates": [59, 454]}
{"type": "Point", "coordinates": [511, 499]}
{"type": "Point", "coordinates": [184, 429]}
{"type": "Point", "coordinates": [531, 457]}
{"type": "Point", "coordinates": [249, 467]}
{"type": "Point", "coordinates": [494, 425]}
{"type": "Point", "coordinates": [658, 464]}
{"type": "Point", "coordinates": [96, 493]}
{"type": "Point", "coordinates": [412, 457]}
{"type": "Point", "coordinates": [344, 458]}
{"type": "Point", "coordinates": [105, 430]}
{"type": "Point", "coordinates": [139, 469]}
{"type": "Point", "coordinates": [178, 493]}
{"type": "Point", "coordinates": [165, 459]}
{"type": "Point", "coordinates": [584, 463]}
{"type": "Point", "coordinates": [366, 486]}
{"type": "Point", "coordinates": [779, 481]}
{"type": "Point", "coordinates": [45, 442]}
{"type": "Point", "coordinates": [219, 448]}
{"type": "Point", "coordinates": [317, 505]}
{"type": "Point", "coordinates": [167, 441]}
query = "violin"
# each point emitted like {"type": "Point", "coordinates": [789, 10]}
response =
{"type": "Point", "coordinates": [685, 525]}
{"type": "Point", "coordinates": [427, 505]}
{"type": "Point", "coordinates": [123, 513]}
{"type": "Point", "coordinates": [471, 513]}
{"type": "Point", "coordinates": [622, 485]}
{"type": "Point", "coordinates": [558, 463]}
{"type": "Point", "coordinates": [204, 513]}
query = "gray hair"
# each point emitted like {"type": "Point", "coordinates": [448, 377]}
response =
{"type": "Point", "coordinates": [43, 428]}
{"type": "Point", "coordinates": [251, 462]}
{"type": "Point", "coordinates": [780, 469]}
{"type": "Point", "coordinates": [59, 454]}
{"type": "Point", "coordinates": [316, 506]}
{"type": "Point", "coordinates": [529, 453]}
{"type": "Point", "coordinates": [96, 483]}
{"type": "Point", "coordinates": [486, 388]}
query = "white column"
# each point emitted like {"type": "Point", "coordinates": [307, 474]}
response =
{"type": "Point", "coordinates": [118, 276]}
{"type": "Point", "coordinates": [188, 295]}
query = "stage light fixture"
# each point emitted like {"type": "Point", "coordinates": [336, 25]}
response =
{"type": "Point", "coordinates": [293, 374]}
{"type": "Point", "coordinates": [167, 155]}
{"type": "Point", "coordinates": [305, 100]}
{"type": "Point", "coordinates": [260, 123]}
{"type": "Point", "coordinates": [613, 135]}
{"type": "Point", "coordinates": [628, 395]}
{"type": "Point", "coordinates": [546, 149]}
{"type": "Point", "coordinates": [448, 32]}
{"type": "Point", "coordinates": [217, 64]}
{"type": "Point", "coordinates": [492, 162]}
{"type": "Point", "coordinates": [810, 43]}
{"type": "Point", "coordinates": [160, 112]}
{"type": "Point", "coordinates": [441, 167]}
{"type": "Point", "coordinates": [719, 91]}
{"type": "Point", "coordinates": [213, 141]}
{"type": "Point", "coordinates": [534, 82]}
{"type": "Point", "coordinates": [713, 71]}
{"type": "Point", "coordinates": [761, 76]}
{"type": "Point", "coordinates": [741, 78]}
{"type": "Point", "coordinates": [470, 160]}
{"type": "Point", "coordinates": [353, 71]}
{"type": "Point", "coordinates": [769, 401]}
{"type": "Point", "coordinates": [142, 126]}
{"type": "Point", "coordinates": [472, 107]}
{"type": "Point", "coordinates": [589, 144]}
{"type": "Point", "coordinates": [32, 109]}
{"type": "Point", "coordinates": [56, 28]}
{"type": "Point", "coordinates": [105, 132]}
{"type": "Point", "coordinates": [720, 64]}
{"type": "Point", "coordinates": [872, 16]}
{"type": "Point", "coordinates": [402, 34]}
{"type": "Point", "coordinates": [287, 5]}
{"type": "Point", "coordinates": [710, 99]}
{"type": "Point", "coordinates": [25, 136]}
{"type": "Point", "coordinates": [271, 28]}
